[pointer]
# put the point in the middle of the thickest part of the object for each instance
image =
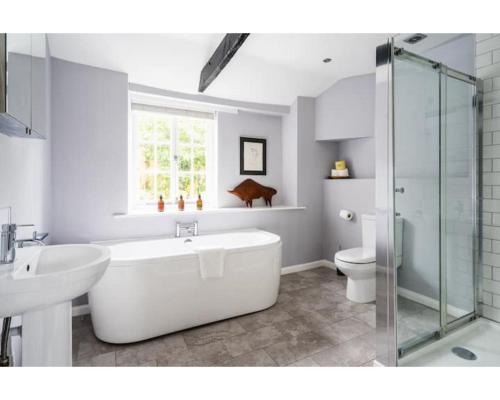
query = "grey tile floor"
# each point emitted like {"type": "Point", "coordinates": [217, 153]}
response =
{"type": "Point", "coordinates": [312, 324]}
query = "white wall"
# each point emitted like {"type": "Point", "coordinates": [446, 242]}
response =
{"type": "Point", "coordinates": [488, 69]}
{"type": "Point", "coordinates": [229, 129]}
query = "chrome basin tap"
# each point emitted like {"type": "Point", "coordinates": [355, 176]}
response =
{"type": "Point", "coordinates": [8, 244]}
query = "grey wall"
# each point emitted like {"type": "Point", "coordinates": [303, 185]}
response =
{"type": "Point", "coordinates": [346, 109]}
{"type": "Point", "coordinates": [25, 173]}
{"type": "Point", "coordinates": [359, 155]}
{"type": "Point", "coordinates": [357, 195]}
{"type": "Point", "coordinates": [90, 168]}
{"type": "Point", "coordinates": [305, 173]}
{"type": "Point", "coordinates": [229, 129]}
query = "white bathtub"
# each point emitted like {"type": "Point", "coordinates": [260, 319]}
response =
{"type": "Point", "coordinates": [154, 287]}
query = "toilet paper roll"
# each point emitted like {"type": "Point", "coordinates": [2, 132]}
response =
{"type": "Point", "coordinates": [346, 214]}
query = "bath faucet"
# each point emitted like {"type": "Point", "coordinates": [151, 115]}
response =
{"type": "Point", "coordinates": [190, 229]}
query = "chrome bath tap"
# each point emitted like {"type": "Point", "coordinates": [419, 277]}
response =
{"type": "Point", "coordinates": [186, 229]}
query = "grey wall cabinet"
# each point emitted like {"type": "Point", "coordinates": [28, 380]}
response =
{"type": "Point", "coordinates": [23, 85]}
{"type": "Point", "coordinates": [347, 109]}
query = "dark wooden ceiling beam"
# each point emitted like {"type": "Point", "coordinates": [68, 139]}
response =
{"type": "Point", "coordinates": [222, 55]}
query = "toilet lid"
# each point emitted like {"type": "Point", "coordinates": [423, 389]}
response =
{"type": "Point", "coordinates": [357, 255]}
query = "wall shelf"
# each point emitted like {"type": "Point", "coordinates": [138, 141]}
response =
{"type": "Point", "coordinates": [208, 211]}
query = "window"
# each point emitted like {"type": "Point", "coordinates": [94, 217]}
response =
{"type": "Point", "coordinates": [171, 153]}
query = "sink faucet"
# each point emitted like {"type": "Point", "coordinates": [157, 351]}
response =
{"type": "Point", "coordinates": [8, 242]}
{"type": "Point", "coordinates": [36, 239]}
{"type": "Point", "coordinates": [190, 228]}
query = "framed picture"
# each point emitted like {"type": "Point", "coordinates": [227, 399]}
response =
{"type": "Point", "coordinates": [252, 156]}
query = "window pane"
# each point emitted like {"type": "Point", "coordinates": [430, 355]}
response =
{"type": "Point", "coordinates": [184, 158]}
{"type": "Point", "coordinates": [146, 126]}
{"type": "Point", "coordinates": [200, 184]}
{"type": "Point", "coordinates": [163, 125]}
{"type": "Point", "coordinates": [163, 186]}
{"type": "Point", "coordinates": [146, 192]}
{"type": "Point", "coordinates": [199, 131]}
{"type": "Point", "coordinates": [163, 157]}
{"type": "Point", "coordinates": [199, 159]}
{"type": "Point", "coordinates": [146, 157]}
{"type": "Point", "coordinates": [185, 186]}
{"type": "Point", "coordinates": [184, 129]}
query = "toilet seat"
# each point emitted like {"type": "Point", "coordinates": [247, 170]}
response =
{"type": "Point", "coordinates": [356, 255]}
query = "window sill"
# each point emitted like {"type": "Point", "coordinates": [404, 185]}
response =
{"type": "Point", "coordinates": [193, 212]}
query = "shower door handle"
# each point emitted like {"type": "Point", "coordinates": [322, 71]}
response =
{"type": "Point", "coordinates": [400, 190]}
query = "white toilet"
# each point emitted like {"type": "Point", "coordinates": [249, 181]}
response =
{"type": "Point", "coordinates": [358, 263]}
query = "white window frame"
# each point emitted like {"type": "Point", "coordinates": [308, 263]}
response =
{"type": "Point", "coordinates": [178, 108]}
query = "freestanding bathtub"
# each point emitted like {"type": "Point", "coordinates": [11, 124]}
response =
{"type": "Point", "coordinates": [154, 287]}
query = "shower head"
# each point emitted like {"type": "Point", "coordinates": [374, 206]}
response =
{"type": "Point", "coordinates": [415, 38]}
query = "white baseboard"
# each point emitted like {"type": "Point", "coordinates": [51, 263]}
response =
{"type": "Point", "coordinates": [429, 302]}
{"type": "Point", "coordinates": [306, 266]}
{"type": "Point", "coordinates": [83, 309]}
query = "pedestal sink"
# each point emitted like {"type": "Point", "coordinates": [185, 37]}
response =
{"type": "Point", "coordinates": [40, 285]}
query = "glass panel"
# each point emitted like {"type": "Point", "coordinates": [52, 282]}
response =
{"type": "Point", "coordinates": [163, 186]}
{"type": "Point", "coordinates": [417, 199]}
{"type": "Point", "coordinates": [163, 157]}
{"type": "Point", "coordinates": [457, 197]}
{"type": "Point", "coordinates": [163, 127]}
{"type": "Point", "coordinates": [146, 190]}
{"type": "Point", "coordinates": [184, 130]}
{"type": "Point", "coordinates": [146, 126]}
{"type": "Point", "coordinates": [185, 187]}
{"type": "Point", "coordinates": [199, 184]}
{"type": "Point", "coordinates": [184, 158]}
{"type": "Point", "coordinates": [146, 156]}
{"type": "Point", "coordinates": [199, 131]}
{"type": "Point", "coordinates": [199, 158]}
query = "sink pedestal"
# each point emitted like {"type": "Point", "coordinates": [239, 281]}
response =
{"type": "Point", "coordinates": [47, 337]}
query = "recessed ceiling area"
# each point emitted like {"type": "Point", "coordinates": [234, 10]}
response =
{"type": "Point", "coordinates": [268, 68]}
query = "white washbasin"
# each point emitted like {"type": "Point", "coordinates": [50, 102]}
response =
{"type": "Point", "coordinates": [49, 275]}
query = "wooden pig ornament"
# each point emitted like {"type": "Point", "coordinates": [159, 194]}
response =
{"type": "Point", "coordinates": [249, 190]}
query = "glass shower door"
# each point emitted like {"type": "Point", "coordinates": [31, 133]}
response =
{"type": "Point", "coordinates": [417, 144]}
{"type": "Point", "coordinates": [457, 200]}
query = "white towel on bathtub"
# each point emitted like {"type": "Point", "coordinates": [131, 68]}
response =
{"type": "Point", "coordinates": [211, 261]}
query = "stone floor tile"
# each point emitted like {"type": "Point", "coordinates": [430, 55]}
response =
{"type": "Point", "coordinates": [257, 358]}
{"type": "Point", "coordinates": [345, 330]}
{"type": "Point", "coordinates": [259, 319]}
{"type": "Point", "coordinates": [305, 362]}
{"type": "Point", "coordinates": [368, 317]}
{"type": "Point", "coordinates": [100, 360]}
{"type": "Point", "coordinates": [297, 348]}
{"type": "Point", "coordinates": [353, 353]}
{"type": "Point", "coordinates": [212, 332]}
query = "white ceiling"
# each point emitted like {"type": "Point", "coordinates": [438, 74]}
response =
{"type": "Point", "coordinates": [268, 68]}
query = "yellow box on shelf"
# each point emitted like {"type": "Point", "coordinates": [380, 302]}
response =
{"type": "Point", "coordinates": [340, 164]}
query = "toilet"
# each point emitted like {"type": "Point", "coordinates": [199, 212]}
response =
{"type": "Point", "coordinates": [358, 263]}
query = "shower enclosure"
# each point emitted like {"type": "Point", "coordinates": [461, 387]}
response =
{"type": "Point", "coordinates": [428, 130]}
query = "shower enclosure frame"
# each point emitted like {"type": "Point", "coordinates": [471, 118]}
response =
{"type": "Point", "coordinates": [387, 351]}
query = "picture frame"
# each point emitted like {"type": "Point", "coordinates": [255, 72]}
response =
{"type": "Point", "coordinates": [253, 156]}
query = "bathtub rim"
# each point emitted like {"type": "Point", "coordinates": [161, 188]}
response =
{"type": "Point", "coordinates": [116, 263]}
